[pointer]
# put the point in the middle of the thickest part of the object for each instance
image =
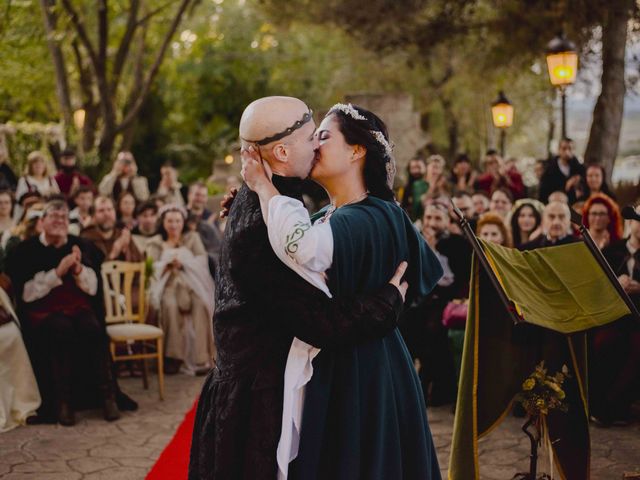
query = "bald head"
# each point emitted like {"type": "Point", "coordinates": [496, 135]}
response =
{"type": "Point", "coordinates": [556, 220]}
{"type": "Point", "coordinates": [294, 154]}
{"type": "Point", "coordinates": [270, 115]}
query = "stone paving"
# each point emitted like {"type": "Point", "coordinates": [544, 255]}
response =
{"type": "Point", "coordinates": [126, 449]}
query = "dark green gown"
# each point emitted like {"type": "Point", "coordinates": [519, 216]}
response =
{"type": "Point", "coordinates": [364, 415]}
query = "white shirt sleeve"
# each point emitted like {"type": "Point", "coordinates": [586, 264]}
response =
{"type": "Point", "coordinates": [304, 248]}
{"type": "Point", "coordinates": [87, 281]}
{"type": "Point", "coordinates": [291, 234]}
{"type": "Point", "coordinates": [40, 285]}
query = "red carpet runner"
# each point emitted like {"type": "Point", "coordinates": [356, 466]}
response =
{"type": "Point", "coordinates": [173, 462]}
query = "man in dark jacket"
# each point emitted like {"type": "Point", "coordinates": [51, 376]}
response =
{"type": "Point", "coordinates": [564, 173]}
{"type": "Point", "coordinates": [615, 348]}
{"type": "Point", "coordinates": [261, 305]}
{"type": "Point", "coordinates": [422, 327]}
{"type": "Point", "coordinates": [56, 280]}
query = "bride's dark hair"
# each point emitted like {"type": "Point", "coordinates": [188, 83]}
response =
{"type": "Point", "coordinates": [359, 132]}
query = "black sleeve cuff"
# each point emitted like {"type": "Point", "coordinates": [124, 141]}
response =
{"type": "Point", "coordinates": [390, 294]}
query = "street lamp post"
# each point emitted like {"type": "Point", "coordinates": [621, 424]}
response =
{"type": "Point", "coordinates": [502, 115]}
{"type": "Point", "coordinates": [562, 63]}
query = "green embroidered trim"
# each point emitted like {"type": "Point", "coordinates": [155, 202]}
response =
{"type": "Point", "coordinates": [294, 237]}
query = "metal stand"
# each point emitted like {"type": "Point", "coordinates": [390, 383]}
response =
{"type": "Point", "coordinates": [534, 438]}
{"type": "Point", "coordinates": [479, 251]}
{"type": "Point", "coordinates": [563, 99]}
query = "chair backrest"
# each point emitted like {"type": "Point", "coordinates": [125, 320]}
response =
{"type": "Point", "coordinates": [123, 284]}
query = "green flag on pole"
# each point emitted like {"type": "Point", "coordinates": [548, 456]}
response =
{"type": "Point", "coordinates": [560, 292]}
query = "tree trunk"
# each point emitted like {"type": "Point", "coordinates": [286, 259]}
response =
{"type": "Point", "coordinates": [62, 81]}
{"type": "Point", "coordinates": [607, 114]}
{"type": "Point", "coordinates": [105, 147]}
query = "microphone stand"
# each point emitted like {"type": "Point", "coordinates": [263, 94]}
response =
{"type": "Point", "coordinates": [481, 255]}
{"type": "Point", "coordinates": [576, 219]}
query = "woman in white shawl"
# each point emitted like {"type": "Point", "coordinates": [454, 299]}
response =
{"type": "Point", "coordinates": [19, 394]}
{"type": "Point", "coordinates": [182, 293]}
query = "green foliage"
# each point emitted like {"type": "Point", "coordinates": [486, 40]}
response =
{"type": "Point", "coordinates": [27, 86]}
{"type": "Point", "coordinates": [451, 56]}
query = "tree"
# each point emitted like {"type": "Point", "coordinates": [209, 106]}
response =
{"type": "Point", "coordinates": [102, 50]}
{"type": "Point", "coordinates": [512, 35]}
{"type": "Point", "coordinates": [607, 114]}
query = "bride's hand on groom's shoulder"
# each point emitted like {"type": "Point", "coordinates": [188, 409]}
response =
{"type": "Point", "coordinates": [226, 202]}
{"type": "Point", "coordinates": [396, 280]}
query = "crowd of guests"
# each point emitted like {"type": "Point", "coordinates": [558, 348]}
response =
{"type": "Point", "coordinates": [501, 209]}
{"type": "Point", "coordinates": [56, 231]}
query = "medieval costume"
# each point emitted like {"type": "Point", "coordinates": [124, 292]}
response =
{"type": "Point", "coordinates": [113, 186]}
{"type": "Point", "coordinates": [260, 306]}
{"type": "Point", "coordinates": [614, 367]}
{"type": "Point", "coordinates": [105, 245]}
{"type": "Point", "coordinates": [19, 395]}
{"type": "Point", "coordinates": [63, 325]}
{"type": "Point", "coordinates": [184, 301]}
{"type": "Point", "coordinates": [364, 413]}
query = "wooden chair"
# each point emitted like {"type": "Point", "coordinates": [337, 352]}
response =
{"type": "Point", "coordinates": [125, 319]}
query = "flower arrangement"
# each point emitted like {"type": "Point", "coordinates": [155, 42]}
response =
{"type": "Point", "coordinates": [542, 392]}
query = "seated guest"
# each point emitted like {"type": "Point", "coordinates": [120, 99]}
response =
{"type": "Point", "coordinates": [6, 205]}
{"type": "Point", "coordinates": [559, 197]}
{"type": "Point", "coordinates": [8, 179]}
{"type": "Point", "coordinates": [564, 173]}
{"type": "Point", "coordinates": [415, 175]}
{"type": "Point", "coordinates": [501, 202]}
{"type": "Point", "coordinates": [526, 220]}
{"type": "Point", "coordinates": [435, 177]}
{"type": "Point", "coordinates": [491, 228]}
{"type": "Point", "coordinates": [115, 243]}
{"type": "Point", "coordinates": [481, 203]}
{"type": "Point", "coordinates": [556, 227]}
{"type": "Point", "coordinates": [56, 282]}
{"type": "Point", "coordinates": [126, 210]}
{"type": "Point", "coordinates": [124, 178]}
{"type": "Point", "coordinates": [80, 216]}
{"type": "Point", "coordinates": [496, 175]}
{"type": "Point", "coordinates": [20, 398]}
{"type": "Point", "coordinates": [463, 176]}
{"type": "Point", "coordinates": [198, 196]}
{"type": "Point", "coordinates": [615, 348]}
{"type": "Point", "coordinates": [462, 200]}
{"type": "Point", "coordinates": [69, 178]}
{"type": "Point", "coordinates": [533, 191]}
{"type": "Point", "coordinates": [146, 224]}
{"type": "Point", "coordinates": [601, 215]}
{"type": "Point", "coordinates": [595, 182]}
{"type": "Point", "coordinates": [26, 202]}
{"type": "Point", "coordinates": [36, 178]}
{"type": "Point", "coordinates": [422, 326]}
{"type": "Point", "coordinates": [30, 226]}
{"type": "Point", "coordinates": [182, 293]}
{"type": "Point", "coordinates": [170, 188]}
{"type": "Point", "coordinates": [211, 238]}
